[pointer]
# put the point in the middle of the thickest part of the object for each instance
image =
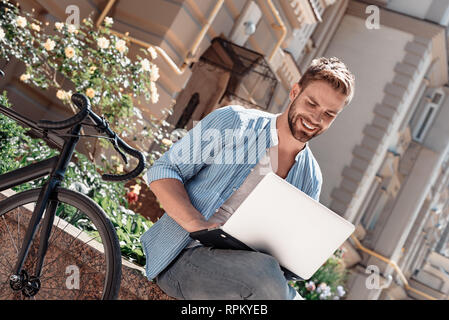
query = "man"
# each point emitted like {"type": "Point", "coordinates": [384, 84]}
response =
{"type": "Point", "coordinates": [203, 178]}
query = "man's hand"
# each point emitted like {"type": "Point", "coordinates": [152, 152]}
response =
{"type": "Point", "coordinates": [176, 202]}
{"type": "Point", "coordinates": [199, 224]}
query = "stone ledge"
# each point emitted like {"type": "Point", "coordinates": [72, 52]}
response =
{"type": "Point", "coordinates": [136, 286]}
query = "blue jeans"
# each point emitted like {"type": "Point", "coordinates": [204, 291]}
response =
{"type": "Point", "coordinates": [204, 273]}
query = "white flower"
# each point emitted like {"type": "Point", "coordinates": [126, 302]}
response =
{"type": "Point", "coordinates": [90, 93]}
{"type": "Point", "coordinates": [322, 287]}
{"type": "Point", "coordinates": [35, 27]}
{"type": "Point", "coordinates": [153, 88]}
{"type": "Point", "coordinates": [92, 69]}
{"type": "Point", "coordinates": [103, 43]}
{"type": "Point", "coordinates": [136, 188]}
{"type": "Point", "coordinates": [125, 61]}
{"type": "Point", "coordinates": [71, 28]}
{"type": "Point", "coordinates": [59, 26]}
{"type": "Point", "coordinates": [80, 187]}
{"type": "Point", "coordinates": [146, 66]}
{"type": "Point", "coordinates": [155, 97]}
{"type": "Point", "coordinates": [49, 45]}
{"type": "Point", "coordinates": [69, 52]}
{"type": "Point", "coordinates": [153, 92]}
{"type": "Point", "coordinates": [21, 21]}
{"type": "Point", "coordinates": [153, 52]}
{"type": "Point", "coordinates": [341, 291]}
{"type": "Point", "coordinates": [310, 286]}
{"type": "Point", "coordinates": [61, 94]}
{"type": "Point", "coordinates": [154, 73]}
{"type": "Point", "coordinates": [2, 34]}
{"type": "Point", "coordinates": [167, 142]}
{"type": "Point", "coordinates": [25, 77]}
{"type": "Point", "coordinates": [120, 45]}
{"type": "Point", "coordinates": [108, 21]}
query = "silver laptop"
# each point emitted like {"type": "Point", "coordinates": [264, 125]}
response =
{"type": "Point", "coordinates": [279, 219]}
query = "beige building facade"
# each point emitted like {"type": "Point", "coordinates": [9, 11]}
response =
{"type": "Point", "coordinates": [386, 175]}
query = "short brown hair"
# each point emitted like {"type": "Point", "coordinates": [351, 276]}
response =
{"type": "Point", "coordinates": [333, 71]}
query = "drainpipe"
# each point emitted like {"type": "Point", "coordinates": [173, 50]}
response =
{"type": "Point", "coordinates": [163, 54]}
{"type": "Point", "coordinates": [394, 265]}
{"type": "Point", "coordinates": [281, 26]}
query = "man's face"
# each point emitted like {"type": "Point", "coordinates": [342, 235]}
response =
{"type": "Point", "coordinates": [313, 110]}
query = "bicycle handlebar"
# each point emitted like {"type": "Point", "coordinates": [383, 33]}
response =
{"type": "Point", "coordinates": [103, 127]}
{"type": "Point", "coordinates": [81, 102]}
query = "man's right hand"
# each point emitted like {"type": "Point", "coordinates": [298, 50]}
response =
{"type": "Point", "coordinates": [176, 202]}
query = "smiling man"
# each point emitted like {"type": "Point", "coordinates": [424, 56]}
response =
{"type": "Point", "coordinates": [198, 190]}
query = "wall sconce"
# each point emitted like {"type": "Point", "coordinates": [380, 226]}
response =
{"type": "Point", "coordinates": [250, 27]}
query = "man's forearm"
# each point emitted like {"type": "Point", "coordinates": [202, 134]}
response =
{"type": "Point", "coordinates": [173, 197]}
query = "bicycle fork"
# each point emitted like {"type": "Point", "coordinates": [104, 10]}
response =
{"type": "Point", "coordinates": [47, 202]}
{"type": "Point", "coordinates": [21, 280]}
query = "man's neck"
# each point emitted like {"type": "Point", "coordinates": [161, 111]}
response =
{"type": "Point", "coordinates": [287, 143]}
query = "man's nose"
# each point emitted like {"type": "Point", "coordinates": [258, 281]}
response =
{"type": "Point", "coordinates": [316, 119]}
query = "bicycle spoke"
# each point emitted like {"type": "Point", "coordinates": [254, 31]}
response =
{"type": "Point", "coordinates": [53, 295]}
{"type": "Point", "coordinates": [60, 230]}
{"type": "Point", "coordinates": [35, 243]}
{"type": "Point", "coordinates": [60, 253]}
{"type": "Point", "coordinates": [57, 227]}
{"type": "Point", "coordinates": [12, 240]}
{"type": "Point", "coordinates": [64, 251]}
{"type": "Point", "coordinates": [7, 275]}
{"type": "Point", "coordinates": [63, 276]}
{"type": "Point", "coordinates": [11, 292]}
{"type": "Point", "coordinates": [10, 266]}
{"type": "Point", "coordinates": [18, 227]}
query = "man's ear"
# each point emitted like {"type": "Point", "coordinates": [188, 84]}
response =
{"type": "Point", "coordinates": [294, 92]}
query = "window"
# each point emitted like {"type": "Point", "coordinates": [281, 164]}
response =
{"type": "Point", "coordinates": [425, 119]}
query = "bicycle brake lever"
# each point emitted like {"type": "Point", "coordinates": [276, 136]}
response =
{"type": "Point", "coordinates": [118, 149]}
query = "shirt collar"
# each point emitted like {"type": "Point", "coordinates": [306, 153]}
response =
{"type": "Point", "coordinates": [275, 137]}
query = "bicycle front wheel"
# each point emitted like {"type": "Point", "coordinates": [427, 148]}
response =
{"type": "Point", "coordinates": [83, 259]}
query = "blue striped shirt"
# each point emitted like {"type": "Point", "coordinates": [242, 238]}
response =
{"type": "Point", "coordinates": [212, 161]}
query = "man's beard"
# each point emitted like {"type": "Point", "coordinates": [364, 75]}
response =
{"type": "Point", "coordinates": [297, 133]}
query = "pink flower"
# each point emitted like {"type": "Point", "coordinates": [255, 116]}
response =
{"type": "Point", "coordinates": [132, 197]}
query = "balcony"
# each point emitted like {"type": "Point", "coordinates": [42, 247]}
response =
{"type": "Point", "coordinates": [286, 69]}
{"type": "Point", "coordinates": [300, 12]}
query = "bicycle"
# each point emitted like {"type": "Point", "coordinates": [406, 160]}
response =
{"type": "Point", "coordinates": [55, 249]}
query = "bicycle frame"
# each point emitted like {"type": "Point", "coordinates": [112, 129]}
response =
{"type": "Point", "coordinates": [56, 168]}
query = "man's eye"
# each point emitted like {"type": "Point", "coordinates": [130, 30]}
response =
{"type": "Point", "coordinates": [312, 104]}
{"type": "Point", "coordinates": [330, 115]}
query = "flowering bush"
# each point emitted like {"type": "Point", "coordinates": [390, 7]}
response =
{"type": "Point", "coordinates": [327, 283]}
{"type": "Point", "coordinates": [93, 61]}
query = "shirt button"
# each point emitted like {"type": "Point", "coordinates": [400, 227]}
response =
{"type": "Point", "coordinates": [216, 210]}
{"type": "Point", "coordinates": [233, 189]}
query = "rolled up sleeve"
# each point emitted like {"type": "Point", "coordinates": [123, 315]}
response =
{"type": "Point", "coordinates": [184, 159]}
